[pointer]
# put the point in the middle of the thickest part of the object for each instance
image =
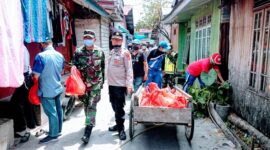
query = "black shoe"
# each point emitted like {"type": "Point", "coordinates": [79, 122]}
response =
{"type": "Point", "coordinates": [122, 135]}
{"type": "Point", "coordinates": [87, 133]}
{"type": "Point", "coordinates": [48, 139]}
{"type": "Point", "coordinates": [113, 128]}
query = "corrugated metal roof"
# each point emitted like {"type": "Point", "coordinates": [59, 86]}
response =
{"type": "Point", "coordinates": [183, 10]}
{"type": "Point", "coordinates": [91, 4]}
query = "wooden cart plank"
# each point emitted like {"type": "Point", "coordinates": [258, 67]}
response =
{"type": "Point", "coordinates": [162, 115]}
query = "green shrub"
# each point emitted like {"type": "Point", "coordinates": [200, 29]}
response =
{"type": "Point", "coordinates": [201, 97]}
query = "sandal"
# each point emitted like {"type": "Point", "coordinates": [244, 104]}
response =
{"type": "Point", "coordinates": [41, 132]}
{"type": "Point", "coordinates": [25, 137]}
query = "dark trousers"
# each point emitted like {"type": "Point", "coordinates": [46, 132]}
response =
{"type": "Point", "coordinates": [117, 99]}
{"type": "Point", "coordinates": [13, 111]}
{"type": "Point", "coordinates": [30, 113]}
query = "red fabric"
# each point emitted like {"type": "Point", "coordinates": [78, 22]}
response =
{"type": "Point", "coordinates": [74, 83]}
{"type": "Point", "coordinates": [33, 93]}
{"type": "Point", "coordinates": [203, 65]}
{"type": "Point", "coordinates": [166, 97]}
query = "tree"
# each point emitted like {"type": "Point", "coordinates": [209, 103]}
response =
{"type": "Point", "coordinates": [152, 16]}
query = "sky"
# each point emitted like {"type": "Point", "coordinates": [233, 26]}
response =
{"type": "Point", "coordinates": [138, 9]}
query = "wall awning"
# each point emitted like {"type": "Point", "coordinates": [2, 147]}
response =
{"type": "Point", "coordinates": [124, 30]}
{"type": "Point", "coordinates": [183, 11]}
{"type": "Point", "coordinates": [90, 4]}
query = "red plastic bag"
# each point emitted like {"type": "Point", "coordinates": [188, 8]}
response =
{"type": "Point", "coordinates": [166, 97]}
{"type": "Point", "coordinates": [33, 93]}
{"type": "Point", "coordinates": [74, 83]}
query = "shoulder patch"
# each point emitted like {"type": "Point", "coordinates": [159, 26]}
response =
{"type": "Point", "coordinates": [127, 55]}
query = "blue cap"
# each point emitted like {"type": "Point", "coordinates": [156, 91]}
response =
{"type": "Point", "coordinates": [164, 45]}
{"type": "Point", "coordinates": [136, 41]}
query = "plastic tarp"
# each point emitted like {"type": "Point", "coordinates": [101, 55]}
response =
{"type": "Point", "coordinates": [11, 43]}
{"type": "Point", "coordinates": [137, 36]}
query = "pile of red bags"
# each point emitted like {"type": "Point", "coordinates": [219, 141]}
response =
{"type": "Point", "coordinates": [74, 83]}
{"type": "Point", "coordinates": [166, 97]}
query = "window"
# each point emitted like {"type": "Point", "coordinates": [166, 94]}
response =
{"type": "Point", "coordinates": [260, 52]}
{"type": "Point", "coordinates": [202, 37]}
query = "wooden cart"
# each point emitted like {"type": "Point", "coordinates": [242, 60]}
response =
{"type": "Point", "coordinates": [157, 115]}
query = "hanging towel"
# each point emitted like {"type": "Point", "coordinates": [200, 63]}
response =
{"type": "Point", "coordinates": [35, 20]}
{"type": "Point", "coordinates": [11, 44]}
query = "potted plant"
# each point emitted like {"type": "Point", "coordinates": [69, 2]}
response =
{"type": "Point", "coordinates": [222, 97]}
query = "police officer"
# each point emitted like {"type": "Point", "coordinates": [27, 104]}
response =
{"type": "Point", "coordinates": [120, 80]}
{"type": "Point", "coordinates": [89, 59]}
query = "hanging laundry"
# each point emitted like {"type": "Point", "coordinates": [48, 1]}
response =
{"type": "Point", "coordinates": [64, 20]}
{"type": "Point", "coordinates": [35, 20]}
{"type": "Point", "coordinates": [57, 33]}
{"type": "Point", "coordinates": [49, 17]}
{"type": "Point", "coordinates": [11, 44]}
{"type": "Point", "coordinates": [74, 40]}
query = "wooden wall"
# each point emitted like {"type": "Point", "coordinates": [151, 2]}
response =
{"type": "Point", "coordinates": [248, 103]}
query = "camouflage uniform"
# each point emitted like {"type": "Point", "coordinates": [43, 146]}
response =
{"type": "Point", "coordinates": [91, 65]}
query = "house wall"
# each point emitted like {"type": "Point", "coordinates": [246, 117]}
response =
{"type": "Point", "coordinates": [174, 36]}
{"type": "Point", "coordinates": [92, 24]}
{"type": "Point", "coordinates": [105, 34]}
{"type": "Point", "coordinates": [207, 9]}
{"type": "Point", "coordinates": [252, 107]}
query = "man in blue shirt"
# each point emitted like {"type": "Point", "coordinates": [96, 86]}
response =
{"type": "Point", "coordinates": [48, 66]}
{"type": "Point", "coordinates": [156, 63]}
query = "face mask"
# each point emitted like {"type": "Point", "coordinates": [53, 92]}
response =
{"type": "Point", "coordinates": [116, 47]}
{"type": "Point", "coordinates": [88, 42]}
{"type": "Point", "coordinates": [143, 47]}
{"type": "Point", "coordinates": [135, 48]}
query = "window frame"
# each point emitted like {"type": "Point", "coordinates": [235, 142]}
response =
{"type": "Point", "coordinates": [202, 38]}
{"type": "Point", "coordinates": [260, 52]}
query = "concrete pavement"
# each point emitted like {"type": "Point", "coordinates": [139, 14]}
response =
{"type": "Point", "coordinates": [167, 137]}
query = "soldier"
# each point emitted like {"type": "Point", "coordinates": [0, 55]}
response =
{"type": "Point", "coordinates": [89, 59]}
{"type": "Point", "coordinates": [120, 80]}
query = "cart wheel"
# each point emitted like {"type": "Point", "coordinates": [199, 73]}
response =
{"type": "Point", "coordinates": [131, 121]}
{"type": "Point", "coordinates": [68, 107]}
{"type": "Point", "coordinates": [189, 129]}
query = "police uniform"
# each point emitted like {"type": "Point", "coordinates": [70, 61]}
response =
{"type": "Point", "coordinates": [91, 64]}
{"type": "Point", "coordinates": [120, 76]}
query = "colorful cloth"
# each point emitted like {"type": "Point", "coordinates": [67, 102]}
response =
{"type": "Point", "coordinates": [11, 44]}
{"type": "Point", "coordinates": [91, 64]}
{"type": "Point", "coordinates": [35, 13]}
{"type": "Point", "coordinates": [203, 65]}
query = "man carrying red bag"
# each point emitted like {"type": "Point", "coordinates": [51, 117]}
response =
{"type": "Point", "coordinates": [90, 61]}
{"type": "Point", "coordinates": [48, 66]}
